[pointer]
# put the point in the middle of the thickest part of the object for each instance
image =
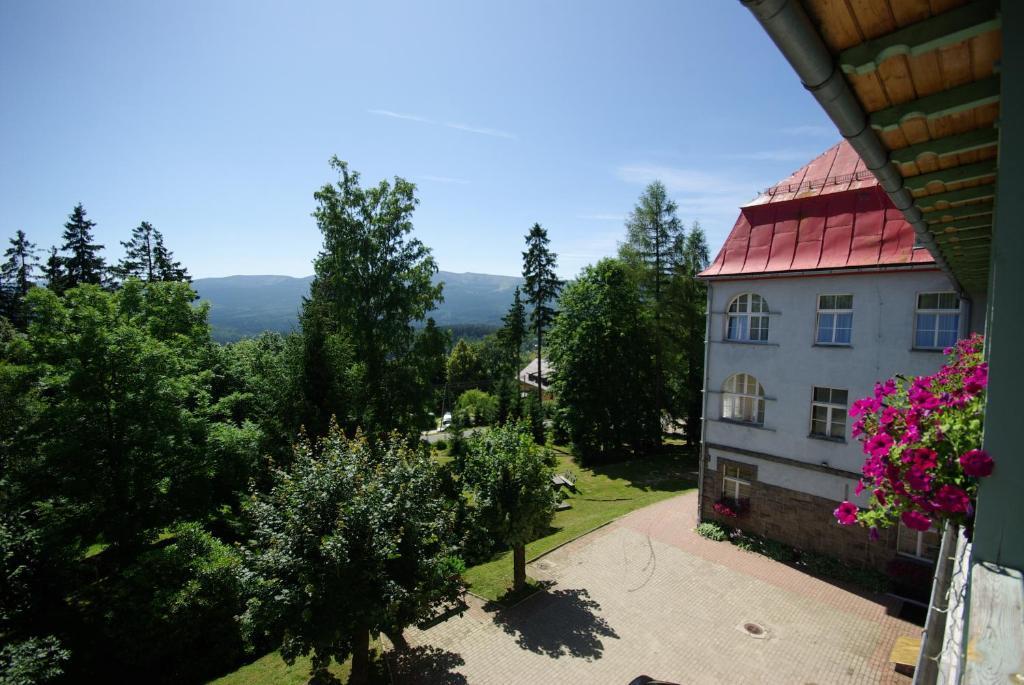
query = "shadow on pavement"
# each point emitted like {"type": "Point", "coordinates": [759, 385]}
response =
{"type": "Point", "coordinates": [556, 623]}
{"type": "Point", "coordinates": [426, 665]}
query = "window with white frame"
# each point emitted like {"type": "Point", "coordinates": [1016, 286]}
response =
{"type": "Point", "coordinates": [736, 481]}
{"type": "Point", "coordinates": [828, 413]}
{"type": "Point", "coordinates": [920, 544]}
{"type": "Point", "coordinates": [936, 321]}
{"type": "Point", "coordinates": [743, 399]}
{"type": "Point", "coordinates": [835, 319]}
{"type": "Point", "coordinates": [748, 318]}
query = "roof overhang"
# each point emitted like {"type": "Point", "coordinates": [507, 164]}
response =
{"type": "Point", "coordinates": [914, 87]}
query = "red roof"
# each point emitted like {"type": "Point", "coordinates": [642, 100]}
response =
{"type": "Point", "coordinates": [830, 214]}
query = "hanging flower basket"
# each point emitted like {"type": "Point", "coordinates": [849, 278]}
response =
{"type": "Point", "coordinates": [922, 438]}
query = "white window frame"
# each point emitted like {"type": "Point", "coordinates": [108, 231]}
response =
{"type": "Point", "coordinates": [830, 410]}
{"type": "Point", "coordinates": [748, 317]}
{"type": "Point", "coordinates": [757, 397]}
{"type": "Point", "coordinates": [936, 312]}
{"type": "Point", "coordinates": [835, 312]}
{"type": "Point", "coordinates": [734, 483]}
{"type": "Point", "coordinates": [919, 544]}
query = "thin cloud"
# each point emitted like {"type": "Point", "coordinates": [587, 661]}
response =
{"type": "Point", "coordinates": [810, 130]}
{"type": "Point", "coordinates": [445, 179]}
{"type": "Point", "coordinates": [494, 132]}
{"type": "Point", "coordinates": [400, 115]}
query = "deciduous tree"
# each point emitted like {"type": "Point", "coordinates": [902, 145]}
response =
{"type": "Point", "coordinates": [509, 479]}
{"type": "Point", "coordinates": [602, 344]}
{"type": "Point", "coordinates": [353, 539]}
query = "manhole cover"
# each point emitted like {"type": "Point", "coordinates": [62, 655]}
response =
{"type": "Point", "coordinates": [753, 629]}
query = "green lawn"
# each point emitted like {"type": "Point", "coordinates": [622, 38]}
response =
{"type": "Point", "coordinates": [270, 669]}
{"type": "Point", "coordinates": [605, 493]}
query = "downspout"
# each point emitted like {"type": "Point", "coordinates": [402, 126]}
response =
{"type": "Point", "coordinates": [702, 452]}
{"type": "Point", "coordinates": [787, 24]}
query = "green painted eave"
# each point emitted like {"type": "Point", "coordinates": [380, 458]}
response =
{"type": "Point", "coordinates": [952, 101]}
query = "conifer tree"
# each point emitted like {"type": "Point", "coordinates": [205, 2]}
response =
{"type": "Point", "coordinates": [542, 286]}
{"type": "Point", "coordinates": [513, 332]}
{"type": "Point", "coordinates": [164, 265]}
{"type": "Point", "coordinates": [53, 272]}
{"type": "Point", "coordinates": [16, 275]}
{"type": "Point", "coordinates": [138, 256]}
{"type": "Point", "coordinates": [83, 263]}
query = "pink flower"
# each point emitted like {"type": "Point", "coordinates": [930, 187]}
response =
{"type": "Point", "coordinates": [880, 496]}
{"type": "Point", "coordinates": [889, 414]}
{"type": "Point", "coordinates": [860, 487]}
{"type": "Point", "coordinates": [951, 499]}
{"type": "Point", "coordinates": [878, 445]}
{"type": "Point", "coordinates": [976, 463]}
{"type": "Point", "coordinates": [873, 467]}
{"type": "Point", "coordinates": [846, 513]}
{"type": "Point", "coordinates": [918, 478]}
{"type": "Point", "coordinates": [915, 520]}
{"type": "Point", "coordinates": [921, 457]}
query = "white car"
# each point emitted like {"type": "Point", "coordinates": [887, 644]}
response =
{"type": "Point", "coordinates": [446, 420]}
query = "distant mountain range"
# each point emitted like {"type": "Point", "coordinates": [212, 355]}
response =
{"type": "Point", "coordinates": [243, 306]}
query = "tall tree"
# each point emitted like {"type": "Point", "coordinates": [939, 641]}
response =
{"type": "Point", "coordinates": [372, 283]}
{"type": "Point", "coordinates": [355, 538]}
{"type": "Point", "coordinates": [602, 344]}
{"type": "Point", "coordinates": [463, 368]}
{"type": "Point", "coordinates": [513, 331]}
{"type": "Point", "coordinates": [509, 480]}
{"type": "Point", "coordinates": [21, 263]}
{"type": "Point", "coordinates": [542, 286]}
{"type": "Point", "coordinates": [82, 262]}
{"type": "Point", "coordinates": [690, 302]}
{"type": "Point", "coordinates": [53, 272]}
{"type": "Point", "coordinates": [16, 276]}
{"type": "Point", "coordinates": [165, 267]}
{"type": "Point", "coordinates": [654, 237]}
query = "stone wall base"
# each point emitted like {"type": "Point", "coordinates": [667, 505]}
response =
{"type": "Point", "coordinates": [800, 520]}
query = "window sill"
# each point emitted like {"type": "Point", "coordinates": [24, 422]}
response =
{"type": "Point", "coordinates": [827, 438]}
{"type": "Point", "coordinates": [847, 346]}
{"type": "Point", "coordinates": [752, 343]}
{"type": "Point", "coordinates": [931, 350]}
{"type": "Point", "coordinates": [744, 424]}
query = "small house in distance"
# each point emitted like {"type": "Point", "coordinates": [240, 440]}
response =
{"type": "Point", "coordinates": [819, 291]}
{"type": "Point", "coordinates": [528, 378]}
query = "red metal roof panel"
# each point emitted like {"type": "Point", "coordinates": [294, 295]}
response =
{"type": "Point", "coordinates": [829, 214]}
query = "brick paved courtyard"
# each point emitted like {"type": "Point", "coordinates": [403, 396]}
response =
{"type": "Point", "coordinates": [647, 595]}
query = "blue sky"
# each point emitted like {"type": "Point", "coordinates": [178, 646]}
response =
{"type": "Point", "coordinates": [215, 121]}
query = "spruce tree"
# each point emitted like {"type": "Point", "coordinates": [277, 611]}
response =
{"type": "Point", "coordinates": [542, 286]}
{"type": "Point", "coordinates": [16, 275]}
{"type": "Point", "coordinates": [83, 263]}
{"type": "Point", "coordinates": [513, 331]}
{"type": "Point", "coordinates": [165, 267]}
{"type": "Point", "coordinates": [53, 272]}
{"type": "Point", "coordinates": [138, 256]}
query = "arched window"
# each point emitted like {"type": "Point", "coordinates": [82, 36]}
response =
{"type": "Point", "coordinates": [748, 318]}
{"type": "Point", "coordinates": [743, 399]}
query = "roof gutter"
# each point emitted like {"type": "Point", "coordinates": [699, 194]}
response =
{"type": "Point", "coordinates": [789, 27]}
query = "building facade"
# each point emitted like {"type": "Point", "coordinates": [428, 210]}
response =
{"type": "Point", "coordinates": [818, 292]}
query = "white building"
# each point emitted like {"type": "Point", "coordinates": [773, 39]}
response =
{"type": "Point", "coordinates": [817, 293]}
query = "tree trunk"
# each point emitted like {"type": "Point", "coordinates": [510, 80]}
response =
{"type": "Point", "coordinates": [360, 658]}
{"type": "Point", "coordinates": [518, 567]}
{"type": "Point", "coordinates": [540, 379]}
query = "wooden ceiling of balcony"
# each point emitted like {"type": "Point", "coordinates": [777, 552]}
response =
{"type": "Point", "coordinates": [926, 73]}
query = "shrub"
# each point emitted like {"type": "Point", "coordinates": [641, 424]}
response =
{"type": "Point", "coordinates": [712, 531]}
{"type": "Point", "coordinates": [440, 445]}
{"type": "Point", "coordinates": [477, 407]}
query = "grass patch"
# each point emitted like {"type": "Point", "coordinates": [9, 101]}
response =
{"type": "Point", "coordinates": [271, 669]}
{"type": "Point", "coordinates": [605, 492]}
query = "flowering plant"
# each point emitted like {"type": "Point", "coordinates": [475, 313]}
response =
{"type": "Point", "coordinates": [729, 507]}
{"type": "Point", "coordinates": [922, 440]}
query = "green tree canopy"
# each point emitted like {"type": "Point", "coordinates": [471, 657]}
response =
{"type": "Point", "coordinates": [17, 275]}
{"type": "Point", "coordinates": [603, 347]}
{"type": "Point", "coordinates": [352, 539]}
{"type": "Point", "coordinates": [372, 284]}
{"type": "Point", "coordinates": [509, 480]}
{"type": "Point", "coordinates": [463, 367]}
{"type": "Point", "coordinates": [542, 286]}
{"type": "Point", "coordinates": [82, 263]}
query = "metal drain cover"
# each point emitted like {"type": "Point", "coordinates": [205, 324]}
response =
{"type": "Point", "coordinates": [755, 630]}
